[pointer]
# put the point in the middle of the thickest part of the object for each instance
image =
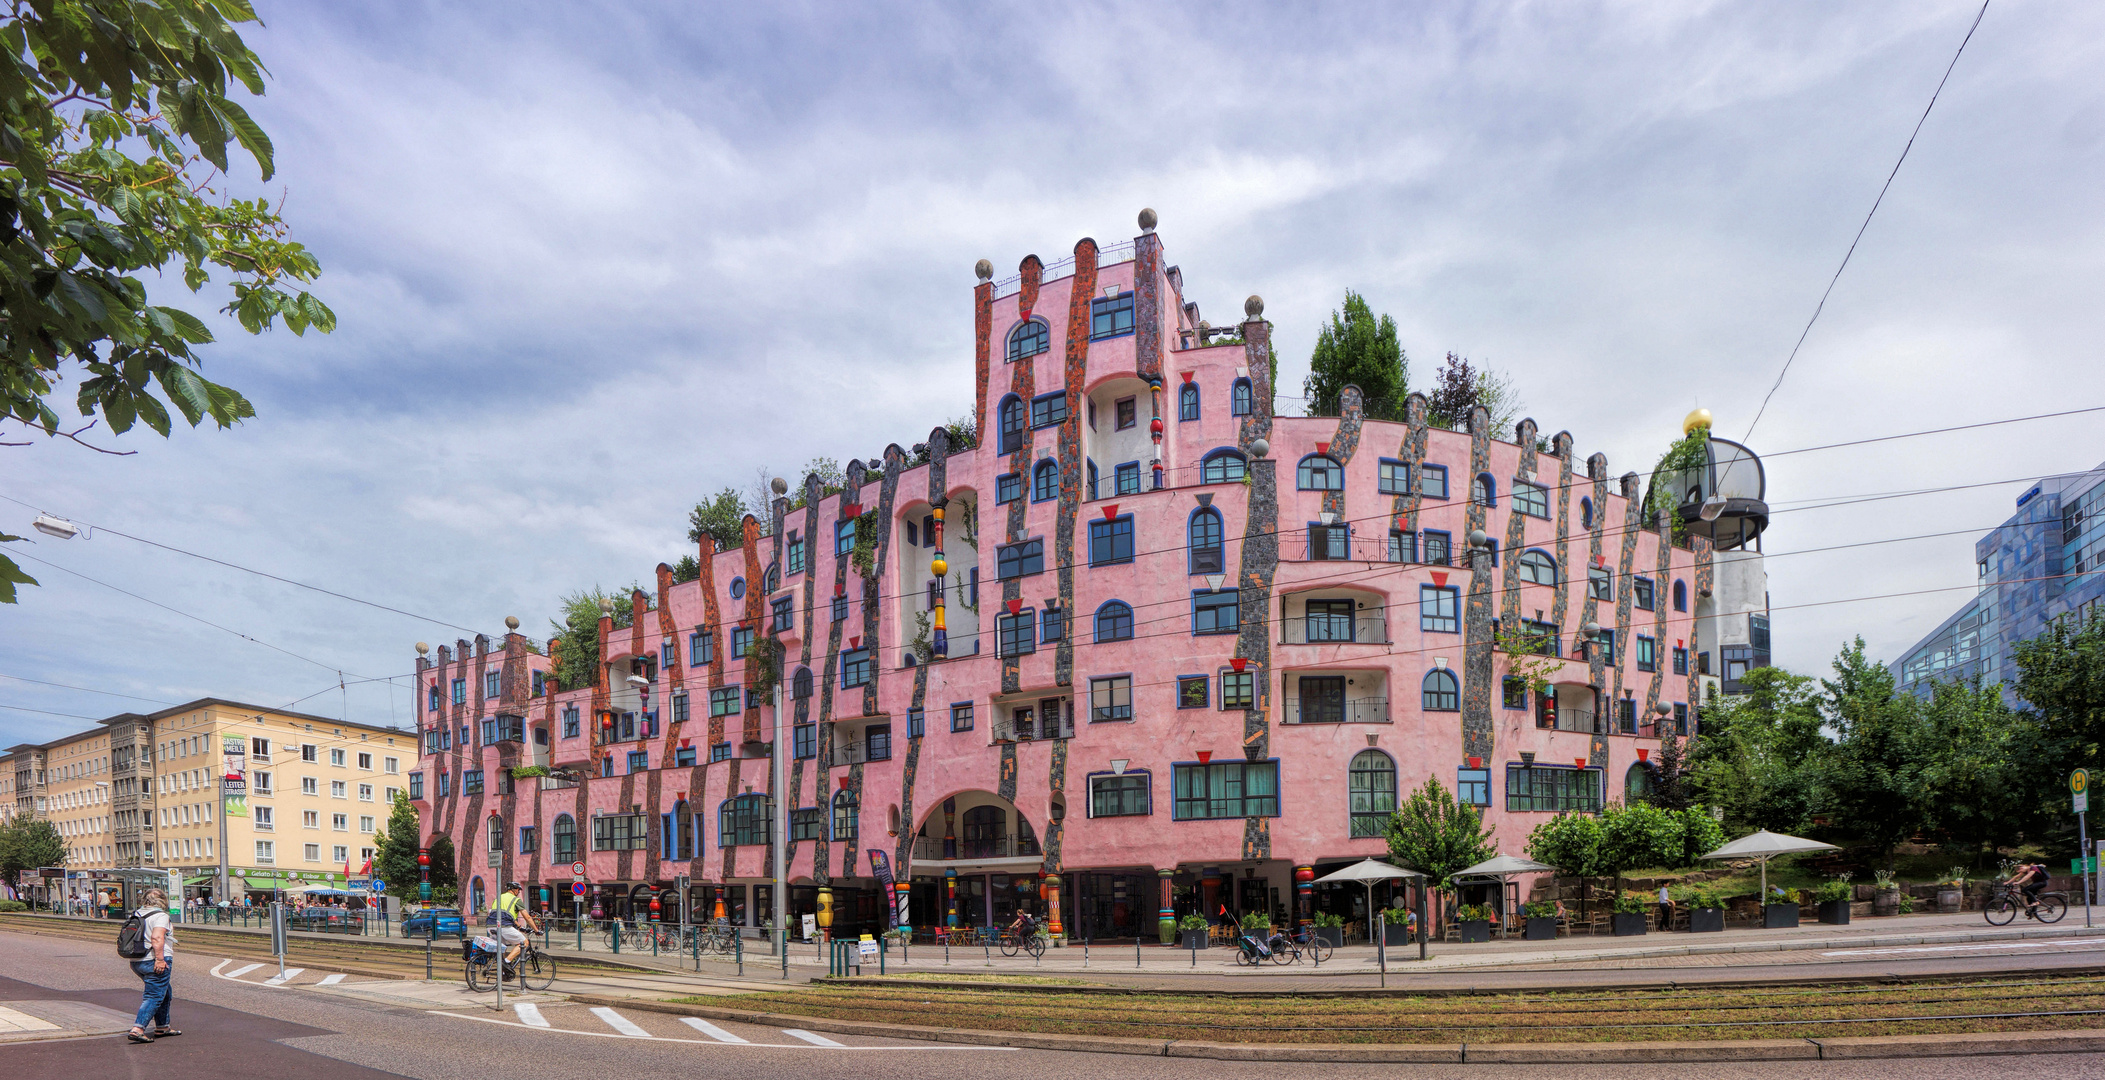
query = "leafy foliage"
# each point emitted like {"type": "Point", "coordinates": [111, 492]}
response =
{"type": "Point", "coordinates": [577, 634]}
{"type": "Point", "coordinates": [395, 859]}
{"type": "Point", "coordinates": [1700, 833]}
{"type": "Point", "coordinates": [2061, 674]}
{"type": "Point", "coordinates": [1357, 349]}
{"type": "Point", "coordinates": [26, 843]}
{"type": "Point", "coordinates": [721, 518]}
{"type": "Point", "coordinates": [1633, 837]}
{"type": "Point", "coordinates": [1569, 842]}
{"type": "Point", "coordinates": [1690, 454]}
{"type": "Point", "coordinates": [686, 570]}
{"type": "Point", "coordinates": [1436, 835]}
{"type": "Point", "coordinates": [114, 131]}
{"type": "Point", "coordinates": [1757, 753]}
{"type": "Point", "coordinates": [445, 868]}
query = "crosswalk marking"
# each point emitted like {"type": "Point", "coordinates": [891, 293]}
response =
{"type": "Point", "coordinates": [282, 979]}
{"type": "Point", "coordinates": [242, 970]}
{"type": "Point", "coordinates": [815, 1040]}
{"type": "Point", "coordinates": [620, 1023]}
{"type": "Point", "coordinates": [709, 1029]}
{"type": "Point", "coordinates": [530, 1014]}
{"type": "Point", "coordinates": [331, 980]}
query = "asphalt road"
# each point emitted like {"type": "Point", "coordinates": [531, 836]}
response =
{"type": "Point", "coordinates": [235, 1030]}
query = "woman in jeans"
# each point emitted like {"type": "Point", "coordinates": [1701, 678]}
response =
{"type": "Point", "coordinates": [155, 970]}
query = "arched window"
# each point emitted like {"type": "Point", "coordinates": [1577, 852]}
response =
{"type": "Point", "coordinates": [1321, 472]}
{"type": "Point", "coordinates": [1188, 402]}
{"type": "Point", "coordinates": [1223, 466]}
{"type": "Point", "coordinates": [1586, 513]}
{"type": "Point", "coordinates": [1045, 481]}
{"type": "Point", "coordinates": [1114, 621]}
{"type": "Point", "coordinates": [1031, 337]}
{"type": "Point", "coordinates": [1373, 780]}
{"type": "Point", "coordinates": [1483, 491]}
{"type": "Point", "coordinates": [1538, 568]}
{"type": "Point", "coordinates": [1441, 692]}
{"type": "Point", "coordinates": [1239, 398]}
{"type": "Point", "coordinates": [1012, 419]}
{"type": "Point", "coordinates": [774, 577]}
{"type": "Point", "coordinates": [565, 847]}
{"type": "Point", "coordinates": [800, 683]}
{"type": "Point", "coordinates": [1637, 783]}
{"type": "Point", "coordinates": [847, 817]}
{"type": "Point", "coordinates": [1204, 532]}
{"type": "Point", "coordinates": [1680, 595]}
{"type": "Point", "coordinates": [475, 895]}
{"type": "Point", "coordinates": [496, 838]}
{"type": "Point", "coordinates": [743, 820]}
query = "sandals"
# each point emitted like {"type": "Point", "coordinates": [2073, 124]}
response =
{"type": "Point", "coordinates": [138, 1036]}
{"type": "Point", "coordinates": [163, 1033]}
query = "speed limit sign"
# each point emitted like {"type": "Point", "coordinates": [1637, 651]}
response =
{"type": "Point", "coordinates": [577, 869]}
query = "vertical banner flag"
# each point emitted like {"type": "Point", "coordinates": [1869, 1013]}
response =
{"type": "Point", "coordinates": [882, 868]}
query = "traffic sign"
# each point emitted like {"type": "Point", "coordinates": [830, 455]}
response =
{"type": "Point", "coordinates": [2079, 781]}
{"type": "Point", "coordinates": [2083, 866]}
{"type": "Point", "coordinates": [577, 888]}
{"type": "Point", "coordinates": [2082, 801]}
{"type": "Point", "coordinates": [577, 869]}
{"type": "Point", "coordinates": [377, 885]}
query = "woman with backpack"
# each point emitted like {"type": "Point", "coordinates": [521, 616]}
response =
{"type": "Point", "coordinates": [148, 941]}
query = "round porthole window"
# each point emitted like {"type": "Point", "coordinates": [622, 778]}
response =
{"type": "Point", "coordinates": [738, 588]}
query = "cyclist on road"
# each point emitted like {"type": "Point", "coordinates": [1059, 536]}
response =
{"type": "Point", "coordinates": [2029, 879]}
{"type": "Point", "coordinates": [511, 913]}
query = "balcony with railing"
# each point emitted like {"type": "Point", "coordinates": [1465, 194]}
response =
{"type": "Point", "coordinates": [1337, 697]}
{"type": "Point", "coordinates": [939, 849]}
{"type": "Point", "coordinates": [1026, 721]}
{"type": "Point", "coordinates": [1334, 619]}
{"type": "Point", "coordinates": [1349, 711]}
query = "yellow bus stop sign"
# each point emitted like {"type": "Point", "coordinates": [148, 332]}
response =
{"type": "Point", "coordinates": [2079, 781]}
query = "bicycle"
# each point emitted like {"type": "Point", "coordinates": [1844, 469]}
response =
{"type": "Point", "coordinates": [1012, 943]}
{"type": "Point", "coordinates": [1250, 952]}
{"type": "Point", "coordinates": [534, 969]}
{"type": "Point", "coordinates": [2004, 906]}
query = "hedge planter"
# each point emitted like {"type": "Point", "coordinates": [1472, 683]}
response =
{"type": "Point", "coordinates": [1834, 912]}
{"type": "Point", "coordinates": [1396, 933]}
{"type": "Point", "coordinates": [1886, 902]}
{"type": "Point", "coordinates": [1476, 930]}
{"type": "Point", "coordinates": [1706, 921]}
{"type": "Point", "coordinates": [1628, 925]}
{"type": "Point", "coordinates": [1779, 916]}
{"type": "Point", "coordinates": [1196, 939]}
{"type": "Point", "coordinates": [1541, 929]}
{"type": "Point", "coordinates": [1333, 936]}
{"type": "Point", "coordinates": [1948, 901]}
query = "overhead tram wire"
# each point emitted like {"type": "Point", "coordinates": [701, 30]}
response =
{"type": "Point", "coordinates": [86, 689]}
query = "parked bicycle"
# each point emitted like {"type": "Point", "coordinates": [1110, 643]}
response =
{"type": "Point", "coordinates": [1287, 949]}
{"type": "Point", "coordinates": [534, 969]}
{"type": "Point", "coordinates": [2004, 905]}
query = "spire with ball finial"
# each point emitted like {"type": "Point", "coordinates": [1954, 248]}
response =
{"type": "Point", "coordinates": [984, 269]}
{"type": "Point", "coordinates": [1698, 419]}
{"type": "Point", "coordinates": [1147, 219]}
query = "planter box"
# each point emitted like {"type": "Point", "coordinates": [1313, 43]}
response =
{"type": "Point", "coordinates": [1333, 936]}
{"type": "Point", "coordinates": [1396, 933]}
{"type": "Point", "coordinates": [1706, 921]}
{"type": "Point", "coordinates": [1948, 901]}
{"type": "Point", "coordinates": [1540, 929]}
{"type": "Point", "coordinates": [1886, 902]}
{"type": "Point", "coordinates": [1779, 916]}
{"type": "Point", "coordinates": [1628, 925]}
{"type": "Point", "coordinates": [1834, 912]}
{"type": "Point", "coordinates": [1195, 939]}
{"type": "Point", "coordinates": [1476, 930]}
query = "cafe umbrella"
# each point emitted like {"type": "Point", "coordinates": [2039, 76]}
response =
{"type": "Point", "coordinates": [1502, 867]}
{"type": "Point", "coordinates": [1765, 845]}
{"type": "Point", "coordinates": [1367, 872]}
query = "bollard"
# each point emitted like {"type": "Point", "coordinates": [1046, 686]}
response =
{"type": "Point", "coordinates": [617, 937]}
{"type": "Point", "coordinates": [946, 951]}
{"type": "Point", "coordinates": [738, 945]}
{"type": "Point", "coordinates": [1194, 950]}
{"type": "Point", "coordinates": [1381, 944]}
{"type": "Point", "coordinates": [654, 942]}
{"type": "Point", "coordinates": [990, 952]}
{"type": "Point", "coordinates": [1136, 952]}
{"type": "Point", "coordinates": [881, 950]}
{"type": "Point", "coordinates": [696, 943]}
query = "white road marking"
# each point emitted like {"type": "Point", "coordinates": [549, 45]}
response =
{"type": "Point", "coordinates": [702, 1042]}
{"type": "Point", "coordinates": [280, 980]}
{"type": "Point", "coordinates": [242, 970]}
{"type": "Point", "coordinates": [815, 1040]}
{"type": "Point", "coordinates": [620, 1023]}
{"type": "Point", "coordinates": [709, 1029]}
{"type": "Point", "coordinates": [531, 1014]}
{"type": "Point", "coordinates": [2065, 946]}
{"type": "Point", "coordinates": [331, 980]}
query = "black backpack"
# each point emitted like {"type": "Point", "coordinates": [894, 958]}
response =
{"type": "Point", "coordinates": [131, 940]}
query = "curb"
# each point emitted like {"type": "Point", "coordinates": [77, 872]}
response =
{"type": "Point", "coordinates": [2080, 1041]}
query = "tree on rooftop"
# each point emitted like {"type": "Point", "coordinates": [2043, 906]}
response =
{"type": "Point", "coordinates": [577, 662]}
{"type": "Point", "coordinates": [722, 518]}
{"type": "Point", "coordinates": [1357, 349]}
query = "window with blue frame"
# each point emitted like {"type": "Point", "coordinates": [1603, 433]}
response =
{"type": "Point", "coordinates": [489, 684]}
{"type": "Point", "coordinates": [961, 716]}
{"type": "Point", "coordinates": [1680, 596]}
{"type": "Point", "coordinates": [1188, 402]}
{"type": "Point", "coordinates": [1239, 398]}
{"type": "Point", "coordinates": [1531, 499]}
{"type": "Point", "coordinates": [1440, 609]}
{"type": "Point", "coordinates": [719, 752]}
{"type": "Point", "coordinates": [1403, 546]}
{"type": "Point", "coordinates": [1049, 409]}
{"type": "Point", "coordinates": [1020, 560]}
{"type": "Point", "coordinates": [1111, 541]}
{"type": "Point", "coordinates": [916, 722]}
{"type": "Point", "coordinates": [846, 816]}
{"type": "Point", "coordinates": [1129, 478]}
{"type": "Point", "coordinates": [701, 648]}
{"type": "Point", "coordinates": [844, 537]}
{"type": "Point", "coordinates": [855, 667]}
{"type": "Point", "coordinates": [682, 757]}
{"type": "Point", "coordinates": [540, 683]}
{"type": "Point", "coordinates": [1473, 787]}
{"type": "Point", "coordinates": [1093, 492]}
{"type": "Point", "coordinates": [804, 740]}
{"type": "Point", "coordinates": [1320, 472]}
{"type": "Point", "coordinates": [460, 691]}
{"type": "Point", "coordinates": [1031, 337]}
{"type": "Point", "coordinates": [1432, 481]}
{"type": "Point", "coordinates": [1017, 634]}
{"type": "Point", "coordinates": [1437, 545]}
{"type": "Point", "coordinates": [679, 707]}
{"type": "Point", "coordinates": [1045, 481]}
{"type": "Point", "coordinates": [1600, 584]}
{"type": "Point", "coordinates": [1483, 491]}
{"type": "Point", "coordinates": [1111, 316]}
{"type": "Point", "coordinates": [738, 588]}
{"type": "Point", "coordinates": [785, 608]}
{"type": "Point", "coordinates": [1537, 567]}
{"type": "Point", "coordinates": [1238, 689]}
{"type": "Point", "coordinates": [445, 785]}
{"type": "Point", "coordinates": [431, 703]}
{"type": "Point", "coordinates": [1110, 699]}
{"type": "Point", "coordinates": [1215, 612]}
{"type": "Point", "coordinates": [1051, 624]}
{"type": "Point", "coordinates": [724, 701]}
{"type": "Point", "coordinates": [1204, 535]}
{"type": "Point", "coordinates": [1011, 417]}
{"type": "Point", "coordinates": [800, 683]}
{"type": "Point", "coordinates": [1114, 621]}
{"type": "Point", "coordinates": [1194, 691]}
{"type": "Point", "coordinates": [1222, 467]}
{"type": "Point", "coordinates": [1329, 542]}
{"type": "Point", "coordinates": [1393, 477]}
{"type": "Point", "coordinates": [1513, 692]}
{"type": "Point", "coordinates": [639, 760]}
{"type": "Point", "coordinates": [772, 580]}
{"type": "Point", "coordinates": [741, 641]}
{"type": "Point", "coordinates": [416, 786]}
{"type": "Point", "coordinates": [796, 553]}
{"type": "Point", "coordinates": [668, 653]}
{"type": "Point", "coordinates": [570, 722]}
{"type": "Point", "coordinates": [840, 607]}
{"type": "Point", "coordinates": [1642, 595]}
{"type": "Point", "coordinates": [1647, 654]}
{"type": "Point", "coordinates": [1008, 487]}
{"type": "Point", "coordinates": [1441, 691]}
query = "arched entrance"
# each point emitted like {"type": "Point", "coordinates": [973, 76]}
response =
{"type": "Point", "coordinates": [976, 863]}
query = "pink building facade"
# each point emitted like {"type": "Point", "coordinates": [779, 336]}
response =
{"type": "Point", "coordinates": [1190, 653]}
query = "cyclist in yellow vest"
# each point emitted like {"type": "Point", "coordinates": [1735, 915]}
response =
{"type": "Point", "coordinates": [512, 914]}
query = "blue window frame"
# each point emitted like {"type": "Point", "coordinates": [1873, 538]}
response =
{"type": "Point", "coordinates": [1048, 410]}
{"type": "Point", "coordinates": [1442, 692]}
{"type": "Point", "coordinates": [1051, 623]}
{"type": "Point", "coordinates": [1020, 560]}
{"type": "Point", "coordinates": [1531, 499]}
{"type": "Point", "coordinates": [445, 785]}
{"type": "Point", "coordinates": [1008, 487]}
{"type": "Point", "coordinates": [460, 691]}
{"type": "Point", "coordinates": [679, 707]}
{"type": "Point", "coordinates": [800, 683]}
{"type": "Point", "coordinates": [1585, 512]}
{"type": "Point", "coordinates": [1473, 787]}
{"type": "Point", "coordinates": [1031, 337]}
{"type": "Point", "coordinates": [1437, 546]}
{"type": "Point", "coordinates": [738, 587]}
{"type": "Point", "coordinates": [855, 667]}
{"type": "Point", "coordinates": [741, 641]}
{"type": "Point", "coordinates": [682, 757]}
{"type": "Point", "coordinates": [961, 716]}
{"type": "Point", "coordinates": [771, 580]}
{"type": "Point", "coordinates": [1188, 402]}
{"type": "Point", "coordinates": [1111, 541]}
{"type": "Point", "coordinates": [1238, 689]}
{"type": "Point", "coordinates": [1114, 621]}
{"type": "Point", "coordinates": [1513, 692]}
{"type": "Point", "coordinates": [1110, 699]}
{"type": "Point", "coordinates": [701, 648]}
{"type": "Point", "coordinates": [844, 537]}
{"type": "Point", "coordinates": [723, 701]}
{"type": "Point", "coordinates": [796, 553]}
{"type": "Point", "coordinates": [1128, 482]}
{"type": "Point", "coordinates": [1600, 583]}
{"type": "Point", "coordinates": [1204, 537]}
{"type": "Point", "coordinates": [1093, 490]}
{"type": "Point", "coordinates": [916, 722]}
{"type": "Point", "coordinates": [1680, 595]}
{"type": "Point", "coordinates": [1016, 635]}
{"type": "Point", "coordinates": [668, 653]}
{"type": "Point", "coordinates": [1045, 481]}
{"type": "Point", "coordinates": [785, 608]}
{"type": "Point", "coordinates": [1537, 567]}
{"type": "Point", "coordinates": [1223, 466]}
{"type": "Point", "coordinates": [1215, 612]}
{"type": "Point", "coordinates": [1403, 546]}
{"type": "Point", "coordinates": [1483, 491]}
{"type": "Point", "coordinates": [489, 684]}
{"type": "Point", "coordinates": [570, 722]}
{"type": "Point", "coordinates": [1439, 609]}
{"type": "Point", "coordinates": [1194, 691]}
{"type": "Point", "coordinates": [1329, 542]}
{"type": "Point", "coordinates": [1647, 654]}
{"type": "Point", "coordinates": [1239, 398]}
{"type": "Point", "coordinates": [431, 703]}
{"type": "Point", "coordinates": [1112, 316]}
{"type": "Point", "coordinates": [1320, 472]}
{"type": "Point", "coordinates": [1394, 477]}
{"type": "Point", "coordinates": [840, 608]}
{"type": "Point", "coordinates": [1011, 417]}
{"type": "Point", "coordinates": [1432, 481]}
{"type": "Point", "coordinates": [719, 752]}
{"type": "Point", "coordinates": [639, 760]}
{"type": "Point", "coordinates": [1642, 595]}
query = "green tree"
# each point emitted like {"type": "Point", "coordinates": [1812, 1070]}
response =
{"type": "Point", "coordinates": [1572, 844]}
{"type": "Point", "coordinates": [1436, 834]}
{"type": "Point", "coordinates": [396, 860]}
{"type": "Point", "coordinates": [1978, 765]}
{"type": "Point", "coordinates": [577, 663]}
{"type": "Point", "coordinates": [1876, 788]}
{"type": "Point", "coordinates": [1357, 349]}
{"type": "Point", "coordinates": [445, 870]}
{"type": "Point", "coordinates": [1757, 756]}
{"type": "Point", "coordinates": [1637, 837]}
{"type": "Point", "coordinates": [722, 518]}
{"type": "Point", "coordinates": [686, 570]}
{"type": "Point", "coordinates": [114, 129]}
{"type": "Point", "coordinates": [1669, 789]}
{"type": "Point", "coordinates": [2061, 675]}
{"type": "Point", "coordinates": [1700, 834]}
{"type": "Point", "coordinates": [27, 843]}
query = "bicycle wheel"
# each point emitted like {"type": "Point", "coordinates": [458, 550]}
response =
{"type": "Point", "coordinates": [1245, 958]}
{"type": "Point", "coordinates": [2052, 906]}
{"type": "Point", "coordinates": [1036, 947]}
{"type": "Point", "coordinates": [1999, 911]}
{"type": "Point", "coordinates": [535, 970]}
{"type": "Point", "coordinates": [481, 975]}
{"type": "Point", "coordinates": [1284, 952]}
{"type": "Point", "coordinates": [1009, 944]}
{"type": "Point", "coordinates": [1317, 949]}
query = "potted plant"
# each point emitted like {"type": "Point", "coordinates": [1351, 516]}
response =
{"type": "Point", "coordinates": [1330, 927]}
{"type": "Point", "coordinates": [1834, 901]}
{"type": "Point", "coordinates": [1706, 910]}
{"type": "Point", "coordinates": [1885, 899]}
{"type": "Point", "coordinates": [1259, 924]}
{"type": "Point", "coordinates": [1629, 917]}
{"type": "Point", "coordinates": [1542, 921]}
{"type": "Point", "coordinates": [1396, 926]}
{"type": "Point", "coordinates": [1951, 892]}
{"type": "Point", "coordinates": [1475, 920]}
{"type": "Point", "coordinates": [1782, 914]}
{"type": "Point", "coordinates": [1193, 928]}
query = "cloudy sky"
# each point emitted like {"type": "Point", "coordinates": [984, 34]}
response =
{"type": "Point", "coordinates": [593, 262]}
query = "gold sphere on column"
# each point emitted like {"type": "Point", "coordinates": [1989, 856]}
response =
{"type": "Point", "coordinates": [1698, 419]}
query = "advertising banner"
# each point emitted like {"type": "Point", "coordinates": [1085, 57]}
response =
{"type": "Point", "coordinates": [881, 868]}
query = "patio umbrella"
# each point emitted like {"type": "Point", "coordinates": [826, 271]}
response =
{"type": "Point", "coordinates": [1367, 872]}
{"type": "Point", "coordinates": [1765, 845]}
{"type": "Point", "coordinates": [1503, 867]}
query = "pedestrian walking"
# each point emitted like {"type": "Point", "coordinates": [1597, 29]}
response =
{"type": "Point", "coordinates": [155, 970]}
